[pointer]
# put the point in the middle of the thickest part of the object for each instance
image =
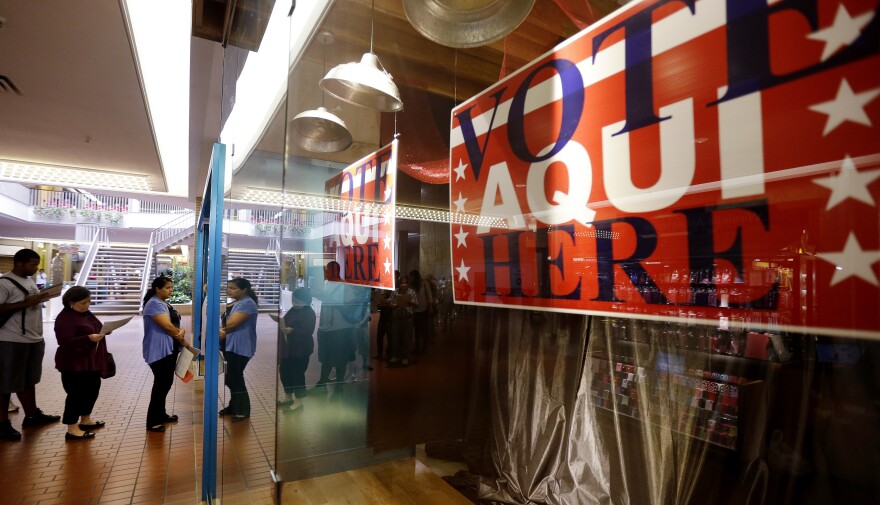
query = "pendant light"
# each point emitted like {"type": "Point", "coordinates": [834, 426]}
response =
{"type": "Point", "coordinates": [320, 130]}
{"type": "Point", "coordinates": [364, 83]}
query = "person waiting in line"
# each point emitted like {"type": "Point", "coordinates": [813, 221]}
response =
{"type": "Point", "coordinates": [386, 320]}
{"type": "Point", "coordinates": [404, 302]}
{"type": "Point", "coordinates": [21, 343]}
{"type": "Point", "coordinates": [163, 338]}
{"type": "Point", "coordinates": [423, 312]}
{"type": "Point", "coordinates": [296, 345]}
{"type": "Point", "coordinates": [239, 332]}
{"type": "Point", "coordinates": [447, 308]}
{"type": "Point", "coordinates": [382, 300]}
{"type": "Point", "coordinates": [82, 360]}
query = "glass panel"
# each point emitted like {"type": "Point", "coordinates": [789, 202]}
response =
{"type": "Point", "coordinates": [254, 89]}
{"type": "Point", "coordinates": [653, 253]}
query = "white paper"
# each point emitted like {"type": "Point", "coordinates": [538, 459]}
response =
{"type": "Point", "coordinates": [113, 325]}
{"type": "Point", "coordinates": [52, 291]}
{"type": "Point", "coordinates": [186, 356]}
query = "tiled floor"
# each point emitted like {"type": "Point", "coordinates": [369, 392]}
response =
{"type": "Point", "coordinates": [127, 464]}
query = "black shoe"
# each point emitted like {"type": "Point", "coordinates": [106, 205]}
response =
{"type": "Point", "coordinates": [7, 432]}
{"type": "Point", "coordinates": [38, 419]}
{"type": "Point", "coordinates": [238, 419]}
{"type": "Point", "coordinates": [170, 419]}
{"type": "Point", "coordinates": [156, 429]}
{"type": "Point", "coordinates": [93, 426]}
{"type": "Point", "coordinates": [225, 412]}
{"type": "Point", "coordinates": [84, 436]}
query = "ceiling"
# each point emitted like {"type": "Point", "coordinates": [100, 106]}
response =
{"type": "Point", "coordinates": [79, 100]}
{"type": "Point", "coordinates": [418, 66]}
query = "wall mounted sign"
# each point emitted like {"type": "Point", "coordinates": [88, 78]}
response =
{"type": "Point", "coordinates": [707, 159]}
{"type": "Point", "coordinates": [362, 237]}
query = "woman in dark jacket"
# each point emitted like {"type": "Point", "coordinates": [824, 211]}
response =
{"type": "Point", "coordinates": [81, 358]}
{"type": "Point", "coordinates": [296, 345]}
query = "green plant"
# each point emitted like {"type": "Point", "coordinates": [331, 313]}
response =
{"type": "Point", "coordinates": [182, 275]}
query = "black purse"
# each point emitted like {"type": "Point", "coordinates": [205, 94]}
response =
{"type": "Point", "coordinates": [111, 367]}
{"type": "Point", "coordinates": [175, 320]}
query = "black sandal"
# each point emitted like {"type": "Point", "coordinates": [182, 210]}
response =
{"type": "Point", "coordinates": [84, 436]}
{"type": "Point", "coordinates": [92, 426]}
{"type": "Point", "coordinates": [156, 429]}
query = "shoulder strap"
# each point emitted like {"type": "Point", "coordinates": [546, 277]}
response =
{"type": "Point", "coordinates": [26, 293]}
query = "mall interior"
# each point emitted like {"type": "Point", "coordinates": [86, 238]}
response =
{"type": "Point", "coordinates": [559, 252]}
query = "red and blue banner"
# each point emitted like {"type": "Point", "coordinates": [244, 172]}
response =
{"type": "Point", "coordinates": [362, 235]}
{"type": "Point", "coordinates": [704, 159]}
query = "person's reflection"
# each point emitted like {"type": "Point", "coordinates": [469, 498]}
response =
{"type": "Point", "coordinates": [357, 299]}
{"type": "Point", "coordinates": [296, 346]}
{"type": "Point", "coordinates": [335, 342]}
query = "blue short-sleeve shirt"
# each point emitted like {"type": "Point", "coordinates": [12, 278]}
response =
{"type": "Point", "coordinates": [242, 340]}
{"type": "Point", "coordinates": [157, 343]}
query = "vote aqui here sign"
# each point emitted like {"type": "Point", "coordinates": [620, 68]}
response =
{"type": "Point", "coordinates": [716, 158]}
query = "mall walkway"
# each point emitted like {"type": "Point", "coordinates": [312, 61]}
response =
{"type": "Point", "coordinates": [125, 463]}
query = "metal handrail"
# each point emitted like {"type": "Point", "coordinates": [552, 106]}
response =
{"type": "Point", "coordinates": [89, 260]}
{"type": "Point", "coordinates": [170, 229]}
{"type": "Point", "coordinates": [145, 273]}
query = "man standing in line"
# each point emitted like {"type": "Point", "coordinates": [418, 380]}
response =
{"type": "Point", "coordinates": [21, 343]}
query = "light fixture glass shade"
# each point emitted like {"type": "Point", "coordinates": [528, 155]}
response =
{"type": "Point", "coordinates": [320, 131]}
{"type": "Point", "coordinates": [363, 84]}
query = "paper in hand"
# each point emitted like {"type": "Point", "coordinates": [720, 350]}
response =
{"type": "Point", "coordinates": [112, 325]}
{"type": "Point", "coordinates": [52, 291]}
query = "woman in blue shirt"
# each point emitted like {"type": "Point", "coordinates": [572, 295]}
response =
{"type": "Point", "coordinates": [240, 334]}
{"type": "Point", "coordinates": [162, 340]}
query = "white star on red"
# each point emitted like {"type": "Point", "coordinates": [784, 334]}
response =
{"type": "Point", "coordinates": [849, 183]}
{"type": "Point", "coordinates": [846, 106]}
{"type": "Point", "coordinates": [852, 261]}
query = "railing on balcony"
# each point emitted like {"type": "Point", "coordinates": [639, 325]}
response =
{"type": "Point", "coordinates": [149, 207]}
{"type": "Point", "coordinates": [57, 202]}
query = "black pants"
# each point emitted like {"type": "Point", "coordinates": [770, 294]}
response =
{"type": "Point", "coordinates": [82, 392]}
{"type": "Point", "coordinates": [293, 374]}
{"type": "Point", "coordinates": [163, 378]}
{"type": "Point", "coordinates": [383, 329]}
{"type": "Point", "coordinates": [421, 324]}
{"type": "Point", "coordinates": [239, 401]}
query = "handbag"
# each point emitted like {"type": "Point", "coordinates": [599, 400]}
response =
{"type": "Point", "coordinates": [111, 367]}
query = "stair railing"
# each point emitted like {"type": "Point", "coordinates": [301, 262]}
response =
{"type": "Point", "coordinates": [274, 247]}
{"type": "Point", "coordinates": [89, 259]}
{"type": "Point", "coordinates": [164, 235]}
{"type": "Point", "coordinates": [148, 262]}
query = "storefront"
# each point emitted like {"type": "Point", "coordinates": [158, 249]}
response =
{"type": "Point", "coordinates": [652, 231]}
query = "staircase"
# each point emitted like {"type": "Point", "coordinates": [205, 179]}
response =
{"type": "Point", "coordinates": [115, 279]}
{"type": "Point", "coordinates": [259, 268]}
